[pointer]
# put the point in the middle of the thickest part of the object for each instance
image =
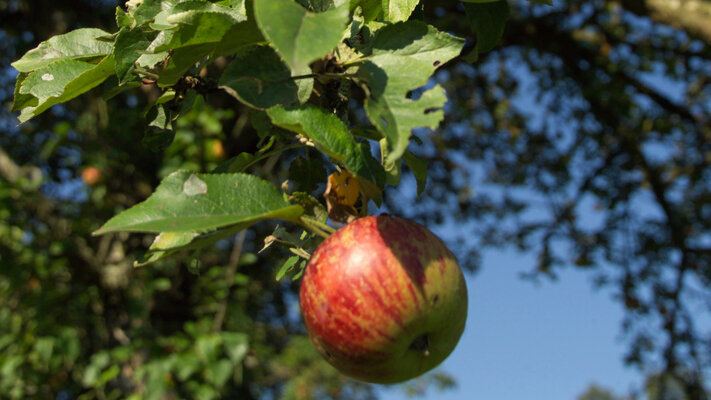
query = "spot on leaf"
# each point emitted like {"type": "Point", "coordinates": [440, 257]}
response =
{"type": "Point", "coordinates": [194, 186]}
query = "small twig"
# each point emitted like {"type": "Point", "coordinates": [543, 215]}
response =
{"type": "Point", "coordinates": [356, 61]}
{"type": "Point", "coordinates": [13, 173]}
{"type": "Point", "coordinates": [230, 278]}
{"type": "Point", "coordinates": [321, 225]}
{"type": "Point", "coordinates": [300, 252]}
{"type": "Point", "coordinates": [323, 75]}
{"type": "Point", "coordinates": [313, 226]}
{"type": "Point", "coordinates": [146, 73]}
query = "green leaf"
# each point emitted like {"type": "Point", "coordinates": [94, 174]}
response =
{"type": "Point", "coordinates": [198, 35]}
{"type": "Point", "coordinates": [298, 35]}
{"type": "Point", "coordinates": [169, 243]}
{"type": "Point", "coordinates": [20, 100]}
{"type": "Point", "coordinates": [306, 174]}
{"type": "Point", "coordinates": [398, 10]}
{"type": "Point", "coordinates": [80, 44]}
{"type": "Point", "coordinates": [148, 9]}
{"type": "Point", "coordinates": [288, 265]}
{"type": "Point", "coordinates": [393, 168]}
{"type": "Point", "coordinates": [241, 34]}
{"type": "Point", "coordinates": [403, 56]}
{"type": "Point", "coordinates": [130, 44]}
{"type": "Point", "coordinates": [165, 20]}
{"type": "Point", "coordinates": [151, 57]}
{"type": "Point", "coordinates": [238, 163]}
{"type": "Point", "coordinates": [258, 77]}
{"type": "Point", "coordinates": [124, 20]}
{"type": "Point", "coordinates": [236, 345]}
{"type": "Point", "coordinates": [190, 202]}
{"type": "Point", "coordinates": [107, 375]}
{"type": "Point", "coordinates": [202, 33]}
{"type": "Point", "coordinates": [371, 9]}
{"type": "Point", "coordinates": [159, 133]}
{"type": "Point", "coordinates": [320, 5]}
{"type": "Point", "coordinates": [218, 372]}
{"type": "Point", "coordinates": [419, 169]}
{"type": "Point", "coordinates": [172, 240]}
{"type": "Point", "coordinates": [332, 137]}
{"type": "Point", "coordinates": [62, 81]}
{"type": "Point", "coordinates": [488, 21]}
{"type": "Point", "coordinates": [312, 207]}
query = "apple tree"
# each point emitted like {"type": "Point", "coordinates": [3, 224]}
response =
{"type": "Point", "coordinates": [323, 97]}
{"type": "Point", "coordinates": [231, 136]}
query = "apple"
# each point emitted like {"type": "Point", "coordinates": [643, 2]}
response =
{"type": "Point", "coordinates": [383, 299]}
{"type": "Point", "coordinates": [91, 176]}
{"type": "Point", "coordinates": [214, 149]}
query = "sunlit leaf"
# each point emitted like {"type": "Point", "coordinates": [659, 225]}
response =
{"type": "Point", "coordinates": [80, 44]}
{"type": "Point", "coordinates": [190, 202]}
{"type": "Point", "coordinates": [298, 35]}
{"type": "Point", "coordinates": [402, 59]}
{"type": "Point", "coordinates": [130, 44]}
{"type": "Point", "coordinates": [62, 81]}
{"type": "Point", "coordinates": [398, 10]}
{"type": "Point", "coordinates": [332, 137]}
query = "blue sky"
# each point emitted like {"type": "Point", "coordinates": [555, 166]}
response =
{"type": "Point", "coordinates": [548, 340]}
{"type": "Point", "coordinates": [531, 341]}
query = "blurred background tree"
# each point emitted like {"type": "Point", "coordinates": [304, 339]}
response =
{"type": "Point", "coordinates": [583, 137]}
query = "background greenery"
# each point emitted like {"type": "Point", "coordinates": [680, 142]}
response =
{"type": "Point", "coordinates": [584, 108]}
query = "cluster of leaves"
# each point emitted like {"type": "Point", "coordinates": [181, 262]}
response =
{"type": "Point", "coordinates": [79, 322]}
{"type": "Point", "coordinates": [301, 68]}
{"type": "Point", "coordinates": [590, 63]}
{"type": "Point", "coordinates": [285, 60]}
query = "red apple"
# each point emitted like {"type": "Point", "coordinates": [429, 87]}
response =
{"type": "Point", "coordinates": [384, 299]}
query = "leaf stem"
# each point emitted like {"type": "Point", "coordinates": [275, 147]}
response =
{"type": "Point", "coordinates": [256, 159]}
{"type": "Point", "coordinates": [321, 225]}
{"type": "Point", "coordinates": [312, 226]}
{"type": "Point", "coordinates": [300, 252]}
{"type": "Point", "coordinates": [358, 60]}
{"type": "Point", "coordinates": [274, 152]}
{"type": "Point", "coordinates": [324, 75]}
{"type": "Point", "coordinates": [146, 73]}
{"type": "Point", "coordinates": [230, 279]}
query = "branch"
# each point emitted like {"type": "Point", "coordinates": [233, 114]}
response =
{"type": "Point", "coordinates": [564, 45]}
{"type": "Point", "coordinates": [230, 279]}
{"type": "Point", "coordinates": [692, 16]}
{"type": "Point", "coordinates": [12, 172]}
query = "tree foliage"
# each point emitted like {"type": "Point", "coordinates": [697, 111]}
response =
{"type": "Point", "coordinates": [579, 132]}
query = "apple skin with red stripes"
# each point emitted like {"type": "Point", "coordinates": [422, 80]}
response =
{"type": "Point", "coordinates": [384, 300]}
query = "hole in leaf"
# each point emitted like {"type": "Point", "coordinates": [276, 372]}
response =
{"type": "Point", "coordinates": [429, 110]}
